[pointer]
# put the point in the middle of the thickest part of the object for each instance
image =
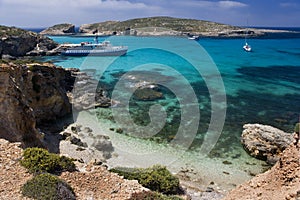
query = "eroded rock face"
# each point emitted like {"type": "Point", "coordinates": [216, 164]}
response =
{"type": "Point", "coordinates": [265, 142]}
{"type": "Point", "coordinates": [17, 121]}
{"type": "Point", "coordinates": [30, 95]}
{"type": "Point", "coordinates": [59, 29]}
{"type": "Point", "coordinates": [46, 88]}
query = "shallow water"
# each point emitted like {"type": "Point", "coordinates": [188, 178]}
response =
{"type": "Point", "coordinates": [203, 83]}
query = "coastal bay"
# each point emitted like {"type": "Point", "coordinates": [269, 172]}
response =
{"type": "Point", "coordinates": [257, 88]}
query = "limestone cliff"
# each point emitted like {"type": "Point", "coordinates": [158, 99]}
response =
{"type": "Point", "coordinates": [15, 42]}
{"type": "Point", "coordinates": [29, 95]}
{"type": "Point", "coordinates": [59, 29]}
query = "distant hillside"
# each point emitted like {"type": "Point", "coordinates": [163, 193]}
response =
{"type": "Point", "coordinates": [175, 26]}
{"type": "Point", "coordinates": [59, 29]}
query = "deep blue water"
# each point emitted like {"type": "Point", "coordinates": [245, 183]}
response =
{"type": "Point", "coordinates": [262, 86]}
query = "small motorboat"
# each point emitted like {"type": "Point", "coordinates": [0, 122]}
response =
{"type": "Point", "coordinates": [247, 47]}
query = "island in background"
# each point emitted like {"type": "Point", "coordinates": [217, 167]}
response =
{"type": "Point", "coordinates": [161, 26]}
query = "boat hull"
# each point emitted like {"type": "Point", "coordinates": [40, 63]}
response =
{"type": "Point", "coordinates": [94, 52]}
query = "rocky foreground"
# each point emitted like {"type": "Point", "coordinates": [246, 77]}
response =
{"type": "Point", "coordinates": [90, 182]}
{"type": "Point", "coordinates": [281, 182]}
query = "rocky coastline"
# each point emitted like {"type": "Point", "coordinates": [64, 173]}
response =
{"type": "Point", "coordinates": [37, 94]}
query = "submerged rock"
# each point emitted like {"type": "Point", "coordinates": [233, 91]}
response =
{"type": "Point", "coordinates": [265, 142]}
{"type": "Point", "coordinates": [147, 94]}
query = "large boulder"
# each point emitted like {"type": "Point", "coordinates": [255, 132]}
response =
{"type": "Point", "coordinates": [17, 42]}
{"type": "Point", "coordinates": [59, 29]}
{"type": "Point", "coordinates": [265, 142]}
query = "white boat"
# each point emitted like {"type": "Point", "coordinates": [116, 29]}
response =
{"type": "Point", "coordinates": [98, 49]}
{"type": "Point", "coordinates": [247, 47]}
{"type": "Point", "coordinates": [194, 37]}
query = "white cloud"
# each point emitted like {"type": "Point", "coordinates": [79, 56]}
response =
{"type": "Point", "coordinates": [231, 4]}
{"type": "Point", "coordinates": [211, 4]}
{"type": "Point", "coordinates": [45, 13]}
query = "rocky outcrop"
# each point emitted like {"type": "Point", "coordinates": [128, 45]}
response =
{"type": "Point", "coordinates": [31, 94]}
{"type": "Point", "coordinates": [265, 142]}
{"type": "Point", "coordinates": [87, 94]}
{"type": "Point", "coordinates": [46, 88]}
{"type": "Point", "coordinates": [17, 120]}
{"type": "Point", "coordinates": [59, 29]}
{"type": "Point", "coordinates": [282, 181]}
{"type": "Point", "coordinates": [16, 42]}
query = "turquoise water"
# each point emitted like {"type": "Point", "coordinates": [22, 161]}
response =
{"type": "Point", "coordinates": [262, 86]}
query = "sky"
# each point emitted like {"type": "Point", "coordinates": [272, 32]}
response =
{"type": "Point", "coordinates": [45, 13]}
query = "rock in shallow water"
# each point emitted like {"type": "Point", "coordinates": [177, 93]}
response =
{"type": "Point", "coordinates": [265, 142]}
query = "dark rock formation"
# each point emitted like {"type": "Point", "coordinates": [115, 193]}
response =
{"type": "Point", "coordinates": [17, 42]}
{"type": "Point", "coordinates": [17, 120]}
{"type": "Point", "coordinates": [147, 94]}
{"type": "Point", "coordinates": [59, 29]}
{"type": "Point", "coordinates": [29, 95]}
{"type": "Point", "coordinates": [46, 88]}
{"type": "Point", "coordinates": [265, 142]}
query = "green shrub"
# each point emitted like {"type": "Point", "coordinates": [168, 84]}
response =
{"type": "Point", "coordinates": [149, 195]}
{"type": "Point", "coordinates": [47, 187]}
{"type": "Point", "coordinates": [156, 178]}
{"type": "Point", "coordinates": [38, 160]}
{"type": "Point", "coordinates": [297, 127]}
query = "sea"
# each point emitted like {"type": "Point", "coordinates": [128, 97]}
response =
{"type": "Point", "coordinates": [210, 88]}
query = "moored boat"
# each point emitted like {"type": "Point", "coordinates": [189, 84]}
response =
{"type": "Point", "coordinates": [99, 49]}
{"type": "Point", "coordinates": [194, 37]}
{"type": "Point", "coordinates": [247, 47]}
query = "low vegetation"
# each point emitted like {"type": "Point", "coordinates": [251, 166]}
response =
{"type": "Point", "coordinates": [297, 128]}
{"type": "Point", "coordinates": [156, 178]}
{"type": "Point", "coordinates": [38, 160]}
{"type": "Point", "coordinates": [154, 196]}
{"type": "Point", "coordinates": [47, 187]}
{"type": "Point", "coordinates": [12, 31]}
